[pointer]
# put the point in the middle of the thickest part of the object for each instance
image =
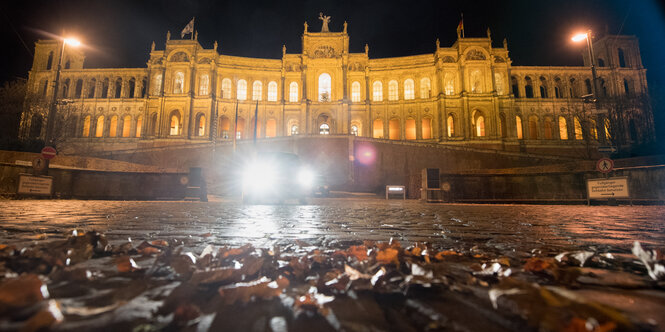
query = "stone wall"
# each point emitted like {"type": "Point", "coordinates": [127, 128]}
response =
{"type": "Point", "coordinates": [88, 184]}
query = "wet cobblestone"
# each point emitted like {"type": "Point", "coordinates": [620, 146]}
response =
{"type": "Point", "coordinates": [341, 221]}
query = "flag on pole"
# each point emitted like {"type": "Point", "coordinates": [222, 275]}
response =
{"type": "Point", "coordinates": [189, 28]}
{"type": "Point", "coordinates": [460, 27]}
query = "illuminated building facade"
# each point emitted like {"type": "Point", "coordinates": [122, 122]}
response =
{"type": "Point", "coordinates": [467, 94]}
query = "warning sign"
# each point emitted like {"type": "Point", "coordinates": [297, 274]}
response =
{"type": "Point", "coordinates": [607, 188]}
{"type": "Point", "coordinates": [35, 185]}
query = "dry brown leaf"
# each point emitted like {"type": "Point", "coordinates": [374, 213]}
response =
{"type": "Point", "coordinates": [160, 243]}
{"type": "Point", "coordinates": [126, 264]}
{"type": "Point", "coordinates": [359, 252]}
{"type": "Point", "coordinates": [441, 254]}
{"type": "Point", "coordinates": [44, 318]}
{"type": "Point", "coordinates": [21, 292]}
{"type": "Point", "coordinates": [387, 256]}
{"type": "Point", "coordinates": [243, 292]}
{"type": "Point", "coordinates": [577, 324]}
{"type": "Point", "coordinates": [535, 264]}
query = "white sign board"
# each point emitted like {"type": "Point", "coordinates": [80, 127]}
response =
{"type": "Point", "coordinates": [607, 188]}
{"type": "Point", "coordinates": [35, 185]}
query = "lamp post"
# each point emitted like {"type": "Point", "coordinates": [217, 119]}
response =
{"type": "Point", "coordinates": [578, 38]}
{"type": "Point", "coordinates": [50, 121]}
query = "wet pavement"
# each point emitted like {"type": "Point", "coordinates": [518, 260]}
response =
{"type": "Point", "coordinates": [342, 220]}
{"type": "Point", "coordinates": [345, 264]}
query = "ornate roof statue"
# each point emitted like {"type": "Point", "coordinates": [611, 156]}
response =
{"type": "Point", "coordinates": [325, 19]}
{"type": "Point", "coordinates": [305, 26]}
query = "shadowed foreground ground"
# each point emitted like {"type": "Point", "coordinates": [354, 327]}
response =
{"type": "Point", "coordinates": [329, 265]}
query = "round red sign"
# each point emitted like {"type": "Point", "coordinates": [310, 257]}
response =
{"type": "Point", "coordinates": [605, 165]}
{"type": "Point", "coordinates": [48, 152]}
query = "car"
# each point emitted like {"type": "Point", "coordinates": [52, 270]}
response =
{"type": "Point", "coordinates": [276, 176]}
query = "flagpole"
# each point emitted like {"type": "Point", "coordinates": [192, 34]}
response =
{"type": "Point", "coordinates": [462, 24]}
{"type": "Point", "coordinates": [193, 23]}
{"type": "Point", "coordinates": [256, 119]}
{"type": "Point", "coordinates": [235, 128]}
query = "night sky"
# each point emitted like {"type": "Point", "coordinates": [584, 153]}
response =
{"type": "Point", "coordinates": [118, 33]}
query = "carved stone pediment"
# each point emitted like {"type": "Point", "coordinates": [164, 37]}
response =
{"type": "Point", "coordinates": [356, 66]}
{"type": "Point", "coordinates": [204, 61]}
{"type": "Point", "coordinates": [448, 59]}
{"type": "Point", "coordinates": [293, 67]}
{"type": "Point", "coordinates": [180, 57]}
{"type": "Point", "coordinates": [324, 51]}
{"type": "Point", "coordinates": [498, 59]}
{"type": "Point", "coordinates": [475, 55]}
{"type": "Point", "coordinates": [158, 61]}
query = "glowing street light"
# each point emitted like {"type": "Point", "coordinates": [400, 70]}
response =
{"type": "Point", "coordinates": [578, 38]}
{"type": "Point", "coordinates": [50, 121]}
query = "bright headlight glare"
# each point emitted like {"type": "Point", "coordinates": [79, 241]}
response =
{"type": "Point", "coordinates": [259, 176]}
{"type": "Point", "coordinates": [306, 177]}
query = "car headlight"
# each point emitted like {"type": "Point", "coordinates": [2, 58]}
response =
{"type": "Point", "coordinates": [259, 176]}
{"type": "Point", "coordinates": [306, 177]}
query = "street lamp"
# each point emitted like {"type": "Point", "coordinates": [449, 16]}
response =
{"type": "Point", "coordinates": [50, 121]}
{"type": "Point", "coordinates": [578, 38]}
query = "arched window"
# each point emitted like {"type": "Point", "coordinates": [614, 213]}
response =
{"type": "Point", "coordinates": [241, 91]}
{"type": "Point", "coordinates": [503, 128]}
{"type": "Point", "coordinates": [394, 129]}
{"type": "Point", "coordinates": [113, 128]}
{"type": "Point", "coordinates": [272, 91]}
{"type": "Point", "coordinates": [131, 87]}
{"type": "Point", "coordinates": [578, 129]}
{"type": "Point", "coordinates": [200, 125]}
{"type": "Point", "coordinates": [294, 130]}
{"type": "Point", "coordinates": [65, 88]}
{"type": "Point", "coordinates": [518, 126]}
{"type": "Point", "coordinates": [71, 126]}
{"type": "Point", "coordinates": [410, 128]}
{"type": "Point", "coordinates": [533, 127]}
{"type": "Point", "coordinates": [601, 62]}
{"type": "Point", "coordinates": [126, 125]}
{"type": "Point", "coordinates": [157, 85]}
{"type": "Point", "coordinates": [240, 128]}
{"type": "Point", "coordinates": [226, 88]}
{"type": "Point", "coordinates": [476, 82]}
{"type": "Point", "coordinates": [425, 88]}
{"type": "Point", "coordinates": [558, 92]}
{"type": "Point", "coordinates": [626, 87]}
{"type": "Point", "coordinates": [499, 84]}
{"type": "Point", "coordinates": [179, 82]}
{"type": "Point", "coordinates": [528, 87]}
{"type": "Point", "coordinates": [271, 128]}
{"type": "Point", "coordinates": [99, 128]}
{"type": "Point", "coordinates": [144, 85]}
{"type": "Point", "coordinates": [450, 122]}
{"type": "Point", "coordinates": [377, 127]}
{"type": "Point", "coordinates": [478, 122]}
{"type": "Point", "coordinates": [622, 58]}
{"type": "Point", "coordinates": [587, 84]}
{"type": "Point", "coordinates": [325, 87]}
{"type": "Point", "coordinates": [68, 64]}
{"type": "Point", "coordinates": [515, 87]}
{"type": "Point", "coordinates": [324, 129]}
{"type": "Point", "coordinates": [105, 88]}
{"type": "Point", "coordinates": [563, 128]}
{"type": "Point", "coordinates": [86, 126]}
{"type": "Point", "coordinates": [593, 132]}
{"type": "Point", "coordinates": [293, 92]}
{"type": "Point", "coordinates": [409, 89]}
{"type": "Point", "coordinates": [175, 124]}
{"type": "Point", "coordinates": [354, 130]}
{"type": "Point", "coordinates": [449, 83]}
{"type": "Point", "coordinates": [426, 128]}
{"type": "Point", "coordinates": [543, 87]}
{"type": "Point", "coordinates": [44, 87]}
{"type": "Point", "coordinates": [377, 91]}
{"type": "Point", "coordinates": [547, 128]}
{"type": "Point", "coordinates": [224, 127]}
{"type": "Point", "coordinates": [204, 84]}
{"type": "Point", "coordinates": [139, 126]}
{"type": "Point", "coordinates": [49, 62]}
{"type": "Point", "coordinates": [392, 90]}
{"type": "Point", "coordinates": [608, 129]}
{"type": "Point", "coordinates": [355, 92]}
{"type": "Point", "coordinates": [78, 88]}
{"type": "Point", "coordinates": [153, 124]}
{"type": "Point", "coordinates": [257, 90]}
{"type": "Point", "coordinates": [573, 88]}
{"type": "Point", "coordinates": [118, 88]}
{"type": "Point", "coordinates": [36, 126]}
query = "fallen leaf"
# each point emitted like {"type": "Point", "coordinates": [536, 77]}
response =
{"type": "Point", "coordinates": [21, 292]}
{"type": "Point", "coordinates": [535, 264]}
{"type": "Point", "coordinates": [44, 319]}
{"type": "Point", "coordinates": [243, 292]}
{"type": "Point", "coordinates": [359, 252]}
{"type": "Point", "coordinates": [387, 256]}
{"type": "Point", "coordinates": [126, 264]}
